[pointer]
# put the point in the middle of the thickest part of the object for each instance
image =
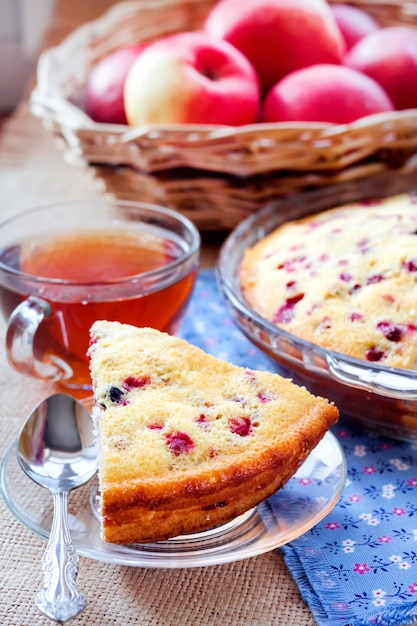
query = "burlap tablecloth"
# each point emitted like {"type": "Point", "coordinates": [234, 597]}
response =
{"type": "Point", "coordinates": [255, 591]}
{"type": "Point", "coordinates": [258, 591]}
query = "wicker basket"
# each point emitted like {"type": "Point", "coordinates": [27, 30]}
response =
{"type": "Point", "coordinates": [215, 175]}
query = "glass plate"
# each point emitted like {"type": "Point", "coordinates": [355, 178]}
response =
{"type": "Point", "coordinates": [306, 498]}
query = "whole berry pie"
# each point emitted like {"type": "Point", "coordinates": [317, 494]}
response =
{"type": "Point", "coordinates": [188, 441]}
{"type": "Point", "coordinates": [344, 279]}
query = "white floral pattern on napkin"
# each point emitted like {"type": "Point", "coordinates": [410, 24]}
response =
{"type": "Point", "coordinates": [359, 565]}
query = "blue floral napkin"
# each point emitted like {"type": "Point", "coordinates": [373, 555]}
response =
{"type": "Point", "coordinates": [359, 565]}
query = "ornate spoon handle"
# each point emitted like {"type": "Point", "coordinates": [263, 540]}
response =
{"type": "Point", "coordinates": [60, 598]}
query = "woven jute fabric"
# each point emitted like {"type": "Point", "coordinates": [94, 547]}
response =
{"type": "Point", "coordinates": [258, 591]}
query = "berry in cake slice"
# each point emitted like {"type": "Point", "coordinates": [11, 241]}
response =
{"type": "Point", "coordinates": [188, 441]}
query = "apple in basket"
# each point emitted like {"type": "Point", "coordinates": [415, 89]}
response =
{"type": "Point", "coordinates": [389, 56]}
{"type": "Point", "coordinates": [278, 36]}
{"type": "Point", "coordinates": [325, 93]}
{"type": "Point", "coordinates": [353, 22]}
{"type": "Point", "coordinates": [191, 78]}
{"type": "Point", "coordinates": [103, 98]}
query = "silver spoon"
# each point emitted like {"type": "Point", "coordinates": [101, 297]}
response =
{"type": "Point", "coordinates": [56, 449]}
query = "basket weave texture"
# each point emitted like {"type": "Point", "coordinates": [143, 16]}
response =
{"type": "Point", "coordinates": [216, 175]}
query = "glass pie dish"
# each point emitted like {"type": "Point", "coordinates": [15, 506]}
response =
{"type": "Point", "coordinates": [381, 399]}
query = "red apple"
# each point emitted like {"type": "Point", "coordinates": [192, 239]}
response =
{"type": "Point", "coordinates": [353, 22]}
{"type": "Point", "coordinates": [389, 56]}
{"type": "Point", "coordinates": [103, 100]}
{"type": "Point", "coordinates": [324, 93]}
{"type": "Point", "coordinates": [278, 36]}
{"type": "Point", "coordinates": [191, 78]}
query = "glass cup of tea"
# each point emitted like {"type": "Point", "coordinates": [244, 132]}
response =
{"type": "Point", "coordinates": [65, 265]}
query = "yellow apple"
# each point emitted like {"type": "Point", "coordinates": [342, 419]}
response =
{"type": "Point", "coordinates": [191, 78]}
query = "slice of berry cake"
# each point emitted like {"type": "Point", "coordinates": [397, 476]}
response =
{"type": "Point", "coordinates": [188, 441]}
{"type": "Point", "coordinates": [345, 279]}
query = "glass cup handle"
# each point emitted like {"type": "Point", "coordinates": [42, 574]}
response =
{"type": "Point", "coordinates": [21, 330]}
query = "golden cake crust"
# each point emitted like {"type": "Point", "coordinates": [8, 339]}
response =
{"type": "Point", "coordinates": [188, 441]}
{"type": "Point", "coordinates": [344, 279]}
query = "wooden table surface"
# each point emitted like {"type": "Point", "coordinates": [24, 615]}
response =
{"type": "Point", "coordinates": [254, 591]}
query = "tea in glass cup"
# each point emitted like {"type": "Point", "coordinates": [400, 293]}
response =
{"type": "Point", "coordinates": [63, 266]}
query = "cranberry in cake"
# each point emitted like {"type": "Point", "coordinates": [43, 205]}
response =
{"type": "Point", "coordinates": [344, 279]}
{"type": "Point", "coordinates": [188, 441]}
